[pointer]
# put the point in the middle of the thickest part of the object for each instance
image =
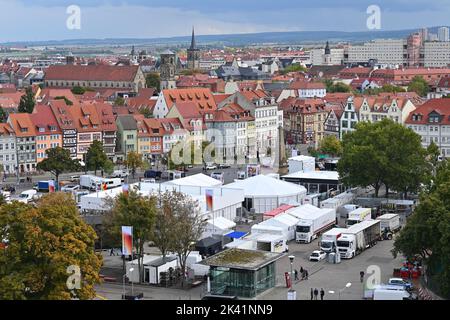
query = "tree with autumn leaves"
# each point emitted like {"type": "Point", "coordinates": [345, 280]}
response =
{"type": "Point", "coordinates": [42, 245]}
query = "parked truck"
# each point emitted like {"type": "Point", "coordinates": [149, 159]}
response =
{"type": "Point", "coordinates": [358, 238]}
{"type": "Point", "coordinates": [44, 186]}
{"type": "Point", "coordinates": [328, 242]}
{"type": "Point", "coordinates": [359, 215]}
{"type": "Point", "coordinates": [390, 223]}
{"type": "Point", "coordinates": [312, 224]}
{"type": "Point", "coordinates": [89, 182]}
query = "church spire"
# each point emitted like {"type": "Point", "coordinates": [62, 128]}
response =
{"type": "Point", "coordinates": [193, 45]}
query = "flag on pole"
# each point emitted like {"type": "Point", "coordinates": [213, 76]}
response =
{"type": "Point", "coordinates": [51, 186]}
{"type": "Point", "coordinates": [127, 240]}
{"type": "Point", "coordinates": [209, 199]}
{"type": "Point", "coordinates": [125, 189]}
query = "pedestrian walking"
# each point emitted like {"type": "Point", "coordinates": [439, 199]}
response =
{"type": "Point", "coordinates": [296, 274]}
{"type": "Point", "coordinates": [361, 275]}
{"type": "Point", "coordinates": [312, 293]}
{"type": "Point", "coordinates": [111, 252]}
{"type": "Point", "coordinates": [306, 274]}
{"type": "Point", "coordinates": [322, 293]}
{"type": "Point", "coordinates": [301, 269]}
{"type": "Point", "coordinates": [316, 293]}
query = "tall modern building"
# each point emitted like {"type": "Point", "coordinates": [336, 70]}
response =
{"type": "Point", "coordinates": [443, 34]}
{"type": "Point", "coordinates": [424, 33]}
{"type": "Point", "coordinates": [193, 54]}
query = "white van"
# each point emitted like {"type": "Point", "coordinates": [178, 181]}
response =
{"type": "Point", "coordinates": [110, 183]}
{"type": "Point", "coordinates": [27, 196]}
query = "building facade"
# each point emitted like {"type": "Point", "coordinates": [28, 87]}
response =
{"type": "Point", "coordinates": [8, 153]}
{"type": "Point", "coordinates": [25, 141]}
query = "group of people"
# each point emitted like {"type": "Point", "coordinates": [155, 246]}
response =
{"type": "Point", "coordinates": [315, 293]}
{"type": "Point", "coordinates": [303, 272]}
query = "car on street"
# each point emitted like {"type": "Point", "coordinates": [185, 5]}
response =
{"type": "Point", "coordinates": [223, 166]}
{"type": "Point", "coordinates": [211, 166]}
{"type": "Point", "coordinates": [70, 188]}
{"type": "Point", "coordinates": [317, 255]}
{"type": "Point", "coordinates": [400, 282]}
{"type": "Point", "coordinates": [74, 178]}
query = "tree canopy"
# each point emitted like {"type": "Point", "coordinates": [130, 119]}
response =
{"type": "Point", "coordinates": [331, 145]}
{"type": "Point", "coordinates": [27, 102]}
{"type": "Point", "coordinates": [45, 246]}
{"type": "Point", "coordinates": [58, 161]}
{"type": "Point", "coordinates": [135, 211]}
{"type": "Point", "coordinates": [3, 115]}
{"type": "Point", "coordinates": [134, 161]}
{"type": "Point", "coordinates": [389, 88]}
{"type": "Point", "coordinates": [294, 68]}
{"type": "Point", "coordinates": [383, 153]}
{"type": "Point", "coordinates": [96, 158]}
{"type": "Point", "coordinates": [153, 80]}
{"type": "Point", "coordinates": [427, 232]}
{"type": "Point", "coordinates": [419, 85]}
{"type": "Point", "coordinates": [337, 87]}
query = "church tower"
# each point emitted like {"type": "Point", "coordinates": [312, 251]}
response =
{"type": "Point", "coordinates": [193, 54]}
{"type": "Point", "coordinates": [327, 56]}
{"type": "Point", "coordinates": [168, 69]}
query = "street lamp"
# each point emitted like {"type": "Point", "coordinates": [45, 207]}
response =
{"type": "Point", "coordinates": [348, 285]}
{"type": "Point", "coordinates": [292, 295]}
{"type": "Point", "coordinates": [124, 276]}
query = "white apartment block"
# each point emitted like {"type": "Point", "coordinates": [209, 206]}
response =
{"type": "Point", "coordinates": [435, 54]}
{"type": "Point", "coordinates": [318, 56]}
{"type": "Point", "coordinates": [443, 34]}
{"type": "Point", "coordinates": [386, 51]}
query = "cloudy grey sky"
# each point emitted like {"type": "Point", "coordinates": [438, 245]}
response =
{"type": "Point", "coordinates": [46, 19]}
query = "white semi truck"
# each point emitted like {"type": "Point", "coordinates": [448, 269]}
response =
{"type": "Point", "coordinates": [358, 238]}
{"type": "Point", "coordinates": [312, 224]}
{"type": "Point", "coordinates": [328, 242]}
{"type": "Point", "coordinates": [359, 215]}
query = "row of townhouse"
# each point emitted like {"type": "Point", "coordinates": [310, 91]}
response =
{"type": "Point", "coordinates": [432, 122]}
{"type": "Point", "coordinates": [55, 124]}
{"type": "Point", "coordinates": [344, 115]}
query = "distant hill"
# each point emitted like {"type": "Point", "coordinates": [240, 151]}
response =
{"type": "Point", "coordinates": [295, 37]}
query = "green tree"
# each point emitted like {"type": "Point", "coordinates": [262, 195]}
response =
{"type": "Point", "coordinates": [427, 231]}
{"type": "Point", "coordinates": [134, 161]}
{"type": "Point", "coordinates": [336, 87]}
{"type": "Point", "coordinates": [58, 161]}
{"type": "Point", "coordinates": [419, 85]}
{"type": "Point", "coordinates": [67, 101]}
{"type": "Point", "coordinates": [119, 101]}
{"type": "Point", "coordinates": [44, 246]}
{"type": "Point", "coordinates": [188, 227]}
{"type": "Point", "coordinates": [2, 199]}
{"type": "Point", "coordinates": [78, 90]}
{"type": "Point", "coordinates": [331, 145]}
{"type": "Point", "coordinates": [383, 153]}
{"type": "Point", "coordinates": [27, 101]}
{"type": "Point", "coordinates": [146, 112]}
{"type": "Point", "coordinates": [3, 115]}
{"type": "Point", "coordinates": [294, 68]}
{"type": "Point", "coordinates": [138, 212]}
{"type": "Point", "coordinates": [163, 236]}
{"type": "Point", "coordinates": [153, 80]}
{"type": "Point", "coordinates": [96, 158]}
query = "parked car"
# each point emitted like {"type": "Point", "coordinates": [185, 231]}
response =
{"type": "Point", "coordinates": [211, 166]}
{"type": "Point", "coordinates": [70, 188]}
{"type": "Point", "coordinates": [224, 166]}
{"type": "Point", "coordinates": [74, 178]}
{"type": "Point", "coordinates": [400, 282]}
{"type": "Point", "coordinates": [317, 255]}
{"type": "Point", "coordinates": [148, 180]}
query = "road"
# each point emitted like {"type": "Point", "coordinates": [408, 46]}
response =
{"type": "Point", "coordinates": [332, 277]}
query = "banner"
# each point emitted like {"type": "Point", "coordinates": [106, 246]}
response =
{"type": "Point", "coordinates": [51, 186]}
{"type": "Point", "coordinates": [125, 189]}
{"type": "Point", "coordinates": [209, 193]}
{"type": "Point", "coordinates": [127, 240]}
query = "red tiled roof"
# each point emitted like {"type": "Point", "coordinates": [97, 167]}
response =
{"type": "Point", "coordinates": [21, 121]}
{"type": "Point", "coordinates": [440, 106]}
{"type": "Point", "coordinates": [91, 73]}
{"type": "Point", "coordinates": [306, 85]}
{"type": "Point", "coordinates": [5, 128]}
{"type": "Point", "coordinates": [201, 97]}
{"type": "Point", "coordinates": [43, 117]}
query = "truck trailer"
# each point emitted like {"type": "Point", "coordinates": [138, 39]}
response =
{"type": "Point", "coordinates": [312, 224]}
{"type": "Point", "coordinates": [359, 215]}
{"type": "Point", "coordinates": [390, 222]}
{"type": "Point", "coordinates": [358, 238]}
